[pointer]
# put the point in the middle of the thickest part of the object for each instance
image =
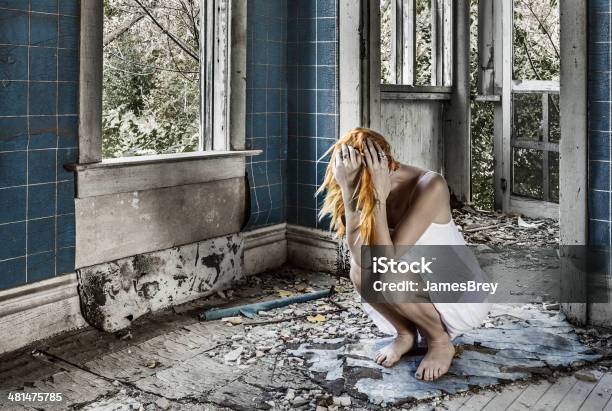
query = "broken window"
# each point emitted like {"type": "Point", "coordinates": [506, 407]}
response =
{"type": "Point", "coordinates": [416, 42]}
{"type": "Point", "coordinates": [535, 100]}
{"type": "Point", "coordinates": [152, 94]}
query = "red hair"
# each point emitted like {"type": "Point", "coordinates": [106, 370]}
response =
{"type": "Point", "coordinates": [365, 192]}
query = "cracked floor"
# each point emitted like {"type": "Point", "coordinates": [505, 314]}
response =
{"type": "Point", "coordinates": [312, 355]}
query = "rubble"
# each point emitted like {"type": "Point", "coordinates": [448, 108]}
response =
{"type": "Point", "coordinates": [498, 230]}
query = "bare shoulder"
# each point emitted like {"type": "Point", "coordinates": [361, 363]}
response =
{"type": "Point", "coordinates": [433, 187]}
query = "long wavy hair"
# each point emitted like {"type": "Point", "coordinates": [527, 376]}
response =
{"type": "Point", "coordinates": [365, 192]}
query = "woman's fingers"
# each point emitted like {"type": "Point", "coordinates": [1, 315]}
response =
{"type": "Point", "coordinates": [355, 157]}
{"type": "Point", "coordinates": [373, 155]}
{"type": "Point", "coordinates": [367, 155]}
{"type": "Point", "coordinates": [384, 161]}
{"type": "Point", "coordinates": [346, 156]}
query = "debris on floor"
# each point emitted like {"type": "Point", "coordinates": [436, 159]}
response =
{"type": "Point", "coordinates": [514, 344]}
{"type": "Point", "coordinates": [310, 356]}
{"type": "Point", "coordinates": [497, 229]}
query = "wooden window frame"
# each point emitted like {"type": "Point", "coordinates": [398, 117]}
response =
{"type": "Point", "coordinates": [224, 99]}
{"type": "Point", "coordinates": [403, 26]}
{"type": "Point", "coordinates": [223, 67]}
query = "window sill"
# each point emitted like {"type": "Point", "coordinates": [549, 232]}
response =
{"type": "Point", "coordinates": [130, 174]}
{"type": "Point", "coordinates": [160, 159]}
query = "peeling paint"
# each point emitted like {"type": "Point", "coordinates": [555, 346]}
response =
{"type": "Point", "coordinates": [115, 293]}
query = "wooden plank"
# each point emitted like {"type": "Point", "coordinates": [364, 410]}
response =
{"type": "Point", "coordinates": [504, 399]}
{"type": "Point", "coordinates": [576, 396]}
{"type": "Point", "coordinates": [457, 160]}
{"type": "Point", "coordinates": [535, 145]}
{"type": "Point", "coordinates": [534, 208]}
{"type": "Point", "coordinates": [90, 81]}
{"type": "Point", "coordinates": [530, 86]}
{"type": "Point", "coordinates": [600, 396]}
{"type": "Point", "coordinates": [414, 96]}
{"type": "Point", "coordinates": [530, 395]}
{"type": "Point", "coordinates": [409, 42]}
{"type": "Point", "coordinates": [121, 225]}
{"type": "Point", "coordinates": [478, 401]}
{"type": "Point", "coordinates": [486, 74]}
{"type": "Point", "coordinates": [436, 42]}
{"type": "Point", "coordinates": [454, 403]}
{"type": "Point", "coordinates": [238, 70]}
{"type": "Point", "coordinates": [405, 88]}
{"type": "Point", "coordinates": [573, 150]}
{"type": "Point", "coordinates": [221, 75]}
{"type": "Point", "coordinates": [555, 394]}
{"type": "Point", "coordinates": [545, 162]}
{"type": "Point", "coordinates": [447, 42]}
{"type": "Point", "coordinates": [395, 29]}
{"type": "Point", "coordinates": [350, 81]}
{"type": "Point", "coordinates": [113, 180]}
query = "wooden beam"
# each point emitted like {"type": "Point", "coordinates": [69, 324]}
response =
{"type": "Point", "coordinates": [90, 81]}
{"type": "Point", "coordinates": [350, 80]}
{"type": "Point", "coordinates": [573, 146]}
{"type": "Point", "coordinates": [238, 70]}
{"type": "Point", "coordinates": [457, 145]}
{"type": "Point", "coordinates": [408, 66]}
{"type": "Point", "coordinates": [486, 72]}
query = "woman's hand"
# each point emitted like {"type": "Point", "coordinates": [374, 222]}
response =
{"type": "Point", "coordinates": [378, 164]}
{"type": "Point", "coordinates": [347, 166]}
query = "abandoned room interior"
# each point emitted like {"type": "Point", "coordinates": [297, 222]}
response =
{"type": "Point", "coordinates": [160, 240]}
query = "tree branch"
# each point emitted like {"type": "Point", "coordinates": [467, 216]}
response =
{"type": "Point", "coordinates": [171, 36]}
{"type": "Point", "coordinates": [543, 27]}
{"type": "Point", "coordinates": [119, 32]}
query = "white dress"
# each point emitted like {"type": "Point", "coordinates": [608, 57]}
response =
{"type": "Point", "coordinates": [457, 317]}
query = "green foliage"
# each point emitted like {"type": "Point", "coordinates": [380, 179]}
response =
{"type": "Point", "coordinates": [151, 98]}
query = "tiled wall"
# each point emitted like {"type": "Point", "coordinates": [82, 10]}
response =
{"type": "Point", "coordinates": [38, 134]}
{"type": "Point", "coordinates": [266, 118]}
{"type": "Point", "coordinates": [600, 110]}
{"type": "Point", "coordinates": [292, 106]}
{"type": "Point", "coordinates": [312, 104]}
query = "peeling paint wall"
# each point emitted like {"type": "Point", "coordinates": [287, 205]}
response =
{"type": "Point", "coordinates": [116, 293]}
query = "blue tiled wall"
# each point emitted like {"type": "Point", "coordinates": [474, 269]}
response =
{"type": "Point", "coordinates": [38, 134]}
{"type": "Point", "coordinates": [266, 118]}
{"type": "Point", "coordinates": [600, 97]}
{"type": "Point", "coordinates": [292, 106]}
{"type": "Point", "coordinates": [312, 104]}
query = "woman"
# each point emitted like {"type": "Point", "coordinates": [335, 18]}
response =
{"type": "Point", "coordinates": [374, 200]}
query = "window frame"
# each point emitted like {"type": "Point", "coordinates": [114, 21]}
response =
{"type": "Point", "coordinates": [403, 26]}
{"type": "Point", "coordinates": [224, 85]}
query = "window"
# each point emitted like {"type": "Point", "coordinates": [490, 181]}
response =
{"type": "Point", "coordinates": [416, 42]}
{"type": "Point", "coordinates": [159, 83]}
{"type": "Point", "coordinates": [535, 100]}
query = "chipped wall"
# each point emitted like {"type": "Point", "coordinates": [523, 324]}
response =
{"type": "Point", "coordinates": [116, 293]}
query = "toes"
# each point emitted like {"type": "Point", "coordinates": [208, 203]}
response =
{"type": "Point", "coordinates": [429, 374]}
{"type": "Point", "coordinates": [419, 373]}
{"type": "Point", "coordinates": [436, 373]}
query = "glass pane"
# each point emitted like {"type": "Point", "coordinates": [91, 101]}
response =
{"type": "Point", "coordinates": [423, 43]}
{"type": "Point", "coordinates": [527, 119]}
{"type": "Point", "coordinates": [536, 39]}
{"type": "Point", "coordinates": [483, 160]}
{"type": "Point", "coordinates": [386, 71]}
{"type": "Point", "coordinates": [151, 95]}
{"type": "Point", "coordinates": [527, 173]}
{"type": "Point", "coordinates": [553, 184]}
{"type": "Point", "coordinates": [554, 127]}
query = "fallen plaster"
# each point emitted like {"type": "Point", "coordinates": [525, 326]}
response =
{"type": "Point", "coordinates": [516, 343]}
{"type": "Point", "coordinates": [116, 293]}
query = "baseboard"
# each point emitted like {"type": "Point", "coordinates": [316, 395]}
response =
{"type": "Point", "coordinates": [314, 249]}
{"type": "Point", "coordinates": [37, 311]}
{"type": "Point", "coordinates": [265, 248]}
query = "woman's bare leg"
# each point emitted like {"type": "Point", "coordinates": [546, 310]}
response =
{"type": "Point", "coordinates": [440, 350]}
{"type": "Point", "coordinates": [406, 330]}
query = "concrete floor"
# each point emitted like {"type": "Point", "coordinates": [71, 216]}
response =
{"type": "Point", "coordinates": [174, 361]}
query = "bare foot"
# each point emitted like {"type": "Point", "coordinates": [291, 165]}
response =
{"type": "Point", "coordinates": [391, 354]}
{"type": "Point", "coordinates": [437, 361]}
